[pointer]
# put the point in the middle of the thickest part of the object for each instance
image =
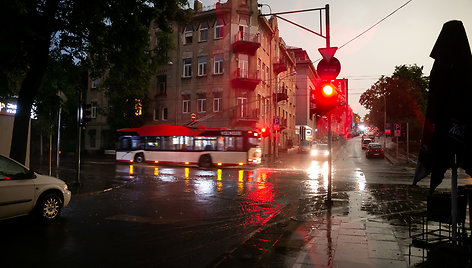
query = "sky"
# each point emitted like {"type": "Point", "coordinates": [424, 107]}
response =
{"type": "Point", "coordinates": [406, 37]}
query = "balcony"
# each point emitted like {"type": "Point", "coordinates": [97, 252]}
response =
{"type": "Point", "coordinates": [243, 79]}
{"type": "Point", "coordinates": [279, 66]}
{"type": "Point", "coordinates": [246, 118]}
{"type": "Point", "coordinates": [281, 96]}
{"type": "Point", "coordinates": [246, 43]}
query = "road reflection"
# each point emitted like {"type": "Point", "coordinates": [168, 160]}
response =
{"type": "Point", "coordinates": [317, 171]}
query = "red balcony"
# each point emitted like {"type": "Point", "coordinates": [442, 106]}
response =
{"type": "Point", "coordinates": [245, 79]}
{"type": "Point", "coordinates": [279, 66]}
{"type": "Point", "coordinates": [246, 43]}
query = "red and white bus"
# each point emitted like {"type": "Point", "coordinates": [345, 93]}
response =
{"type": "Point", "coordinates": [180, 145]}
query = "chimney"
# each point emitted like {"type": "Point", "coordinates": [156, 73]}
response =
{"type": "Point", "coordinates": [197, 6]}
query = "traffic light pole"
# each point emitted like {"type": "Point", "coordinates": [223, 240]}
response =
{"type": "Point", "coordinates": [330, 158]}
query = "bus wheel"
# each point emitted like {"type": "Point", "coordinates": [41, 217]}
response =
{"type": "Point", "coordinates": [139, 158]}
{"type": "Point", "coordinates": [205, 161]}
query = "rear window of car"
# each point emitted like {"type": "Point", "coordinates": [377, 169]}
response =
{"type": "Point", "coordinates": [375, 146]}
{"type": "Point", "coordinates": [367, 141]}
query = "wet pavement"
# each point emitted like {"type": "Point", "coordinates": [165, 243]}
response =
{"type": "Point", "coordinates": [365, 225]}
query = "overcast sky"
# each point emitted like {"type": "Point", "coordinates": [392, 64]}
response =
{"type": "Point", "coordinates": [406, 37]}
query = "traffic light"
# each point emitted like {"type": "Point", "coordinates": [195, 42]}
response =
{"type": "Point", "coordinates": [265, 132]}
{"type": "Point", "coordinates": [325, 97]}
{"type": "Point", "coordinates": [85, 114]}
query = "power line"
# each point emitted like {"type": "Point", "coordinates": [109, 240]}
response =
{"type": "Point", "coordinates": [368, 29]}
{"type": "Point", "coordinates": [371, 27]}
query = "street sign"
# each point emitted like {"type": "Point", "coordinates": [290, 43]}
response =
{"type": "Point", "coordinates": [329, 69]}
{"type": "Point", "coordinates": [276, 123]}
{"type": "Point", "coordinates": [397, 130]}
{"type": "Point", "coordinates": [327, 52]}
{"type": "Point", "coordinates": [193, 116]}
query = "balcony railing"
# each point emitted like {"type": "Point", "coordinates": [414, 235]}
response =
{"type": "Point", "coordinates": [246, 43]}
{"type": "Point", "coordinates": [242, 78]}
{"type": "Point", "coordinates": [279, 66]}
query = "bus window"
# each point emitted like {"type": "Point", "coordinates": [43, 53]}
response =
{"type": "Point", "coordinates": [124, 144]}
{"type": "Point", "coordinates": [205, 143]}
{"type": "Point", "coordinates": [220, 145]}
{"type": "Point", "coordinates": [233, 143]}
{"type": "Point", "coordinates": [153, 143]}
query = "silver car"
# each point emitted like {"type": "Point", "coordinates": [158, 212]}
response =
{"type": "Point", "coordinates": [24, 192]}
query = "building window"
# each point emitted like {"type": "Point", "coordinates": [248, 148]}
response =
{"type": "Point", "coordinates": [185, 106]}
{"type": "Point", "coordinates": [203, 32]}
{"type": "Point", "coordinates": [243, 66]}
{"type": "Point", "coordinates": [202, 62]}
{"type": "Point", "coordinates": [165, 113]}
{"type": "Point", "coordinates": [219, 29]}
{"type": "Point", "coordinates": [259, 68]}
{"type": "Point", "coordinates": [242, 107]}
{"type": "Point", "coordinates": [95, 83]}
{"type": "Point", "coordinates": [201, 108]}
{"type": "Point", "coordinates": [156, 114]}
{"type": "Point", "coordinates": [161, 84]}
{"type": "Point", "coordinates": [267, 75]}
{"type": "Point", "coordinates": [217, 105]}
{"type": "Point", "coordinates": [187, 68]}
{"type": "Point", "coordinates": [93, 109]}
{"type": "Point", "coordinates": [138, 107]}
{"type": "Point", "coordinates": [188, 34]}
{"type": "Point", "coordinates": [218, 64]}
{"type": "Point", "coordinates": [263, 73]}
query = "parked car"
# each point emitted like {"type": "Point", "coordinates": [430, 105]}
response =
{"type": "Point", "coordinates": [320, 150]}
{"type": "Point", "coordinates": [23, 192]}
{"type": "Point", "coordinates": [304, 147]}
{"type": "Point", "coordinates": [374, 150]}
{"type": "Point", "coordinates": [365, 142]}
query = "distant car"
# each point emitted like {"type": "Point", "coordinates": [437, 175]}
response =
{"type": "Point", "coordinates": [365, 142]}
{"type": "Point", "coordinates": [320, 150]}
{"type": "Point", "coordinates": [304, 147]}
{"type": "Point", "coordinates": [374, 150]}
{"type": "Point", "coordinates": [23, 191]}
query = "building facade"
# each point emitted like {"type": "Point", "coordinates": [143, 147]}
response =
{"type": "Point", "coordinates": [229, 69]}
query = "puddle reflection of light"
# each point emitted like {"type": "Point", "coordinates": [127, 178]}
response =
{"type": "Point", "coordinates": [187, 171]}
{"type": "Point", "coordinates": [205, 173]}
{"type": "Point", "coordinates": [168, 171]}
{"type": "Point", "coordinates": [315, 171]}
{"type": "Point", "coordinates": [204, 187]}
{"type": "Point", "coordinates": [130, 169]}
{"type": "Point", "coordinates": [156, 171]}
{"type": "Point", "coordinates": [360, 179]}
{"type": "Point", "coordinates": [240, 182]}
{"type": "Point", "coordinates": [219, 172]}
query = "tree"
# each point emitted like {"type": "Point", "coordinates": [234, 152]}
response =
{"type": "Point", "coordinates": [106, 36]}
{"type": "Point", "coordinates": [404, 94]}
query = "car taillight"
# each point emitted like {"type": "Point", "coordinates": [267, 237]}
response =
{"type": "Point", "coordinates": [381, 150]}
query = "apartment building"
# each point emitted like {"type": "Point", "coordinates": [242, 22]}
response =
{"type": "Point", "coordinates": [229, 69]}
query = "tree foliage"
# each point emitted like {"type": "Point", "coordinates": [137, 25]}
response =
{"type": "Point", "coordinates": [109, 38]}
{"type": "Point", "coordinates": [404, 96]}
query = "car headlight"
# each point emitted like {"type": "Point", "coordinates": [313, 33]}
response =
{"type": "Point", "coordinates": [326, 153]}
{"type": "Point", "coordinates": [314, 152]}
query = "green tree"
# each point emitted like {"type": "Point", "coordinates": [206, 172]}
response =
{"type": "Point", "coordinates": [108, 36]}
{"type": "Point", "coordinates": [404, 94]}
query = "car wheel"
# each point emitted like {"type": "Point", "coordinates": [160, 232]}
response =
{"type": "Point", "coordinates": [49, 207]}
{"type": "Point", "coordinates": [139, 158]}
{"type": "Point", "coordinates": [205, 161]}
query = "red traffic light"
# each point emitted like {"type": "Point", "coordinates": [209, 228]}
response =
{"type": "Point", "coordinates": [328, 90]}
{"type": "Point", "coordinates": [264, 132]}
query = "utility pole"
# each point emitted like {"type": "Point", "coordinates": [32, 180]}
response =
{"type": "Point", "coordinates": [79, 135]}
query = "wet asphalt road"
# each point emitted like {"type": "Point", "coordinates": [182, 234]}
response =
{"type": "Point", "coordinates": [188, 217]}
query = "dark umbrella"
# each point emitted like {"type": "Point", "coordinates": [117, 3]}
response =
{"type": "Point", "coordinates": [447, 131]}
